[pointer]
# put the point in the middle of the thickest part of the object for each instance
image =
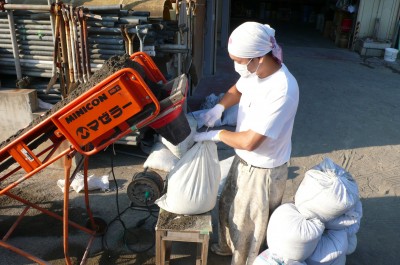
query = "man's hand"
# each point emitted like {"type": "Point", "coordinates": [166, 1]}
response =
{"type": "Point", "coordinates": [210, 117]}
{"type": "Point", "coordinates": [207, 136]}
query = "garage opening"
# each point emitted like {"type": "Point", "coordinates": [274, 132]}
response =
{"type": "Point", "coordinates": [301, 22]}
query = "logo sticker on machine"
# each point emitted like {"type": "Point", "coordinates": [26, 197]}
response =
{"type": "Point", "coordinates": [104, 119]}
{"type": "Point", "coordinates": [101, 112]}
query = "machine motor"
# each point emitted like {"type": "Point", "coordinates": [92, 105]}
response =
{"type": "Point", "coordinates": [146, 187]}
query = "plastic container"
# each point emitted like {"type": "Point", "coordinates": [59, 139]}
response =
{"type": "Point", "coordinates": [346, 24]}
{"type": "Point", "coordinates": [391, 54]}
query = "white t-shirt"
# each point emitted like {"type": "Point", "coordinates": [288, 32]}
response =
{"type": "Point", "coordinates": [268, 106]}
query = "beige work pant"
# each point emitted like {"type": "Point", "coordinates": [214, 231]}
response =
{"type": "Point", "coordinates": [248, 198]}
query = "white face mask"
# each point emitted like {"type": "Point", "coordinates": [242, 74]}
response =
{"type": "Point", "coordinates": [242, 70]}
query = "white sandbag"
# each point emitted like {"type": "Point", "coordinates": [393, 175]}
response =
{"type": "Point", "coordinates": [349, 221]}
{"type": "Point", "coordinates": [290, 235]}
{"type": "Point", "coordinates": [160, 158]}
{"type": "Point", "coordinates": [268, 258]}
{"type": "Point", "coordinates": [180, 149]}
{"type": "Point", "coordinates": [192, 185]}
{"type": "Point", "coordinates": [352, 242]}
{"type": "Point", "coordinates": [326, 192]}
{"type": "Point", "coordinates": [225, 166]}
{"type": "Point", "coordinates": [331, 246]}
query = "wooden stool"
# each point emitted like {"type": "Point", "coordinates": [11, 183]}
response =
{"type": "Point", "coordinates": [184, 228]}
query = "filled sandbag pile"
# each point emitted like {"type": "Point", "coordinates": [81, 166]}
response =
{"type": "Point", "coordinates": [329, 195]}
{"type": "Point", "coordinates": [331, 249]}
{"type": "Point", "coordinates": [350, 223]}
{"type": "Point", "coordinates": [326, 192]}
{"type": "Point", "coordinates": [290, 235]}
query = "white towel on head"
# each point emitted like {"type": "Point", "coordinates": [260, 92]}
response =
{"type": "Point", "coordinates": [252, 39]}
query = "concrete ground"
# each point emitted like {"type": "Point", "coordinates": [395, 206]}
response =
{"type": "Point", "coordinates": [349, 111]}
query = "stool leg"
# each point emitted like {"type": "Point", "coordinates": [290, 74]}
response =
{"type": "Point", "coordinates": [167, 250]}
{"type": "Point", "coordinates": [159, 257]}
{"type": "Point", "coordinates": [199, 253]}
{"type": "Point", "coordinates": [204, 252]}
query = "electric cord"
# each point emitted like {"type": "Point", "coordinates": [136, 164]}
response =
{"type": "Point", "coordinates": [118, 218]}
{"type": "Point", "coordinates": [139, 224]}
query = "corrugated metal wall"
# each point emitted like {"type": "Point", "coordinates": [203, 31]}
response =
{"type": "Point", "coordinates": [387, 11]}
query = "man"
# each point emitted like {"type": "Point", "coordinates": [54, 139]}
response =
{"type": "Point", "coordinates": [268, 96]}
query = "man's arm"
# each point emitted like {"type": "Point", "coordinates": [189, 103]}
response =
{"type": "Point", "coordinates": [247, 140]}
{"type": "Point", "coordinates": [231, 97]}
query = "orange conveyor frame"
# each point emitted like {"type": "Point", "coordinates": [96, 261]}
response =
{"type": "Point", "coordinates": [115, 107]}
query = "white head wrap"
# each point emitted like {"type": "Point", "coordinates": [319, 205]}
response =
{"type": "Point", "coordinates": [252, 39]}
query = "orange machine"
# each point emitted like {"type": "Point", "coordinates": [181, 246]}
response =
{"type": "Point", "coordinates": [120, 104]}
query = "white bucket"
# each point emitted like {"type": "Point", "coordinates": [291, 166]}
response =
{"type": "Point", "coordinates": [390, 54]}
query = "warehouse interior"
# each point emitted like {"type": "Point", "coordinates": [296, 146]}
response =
{"type": "Point", "coordinates": [332, 19]}
{"type": "Point", "coordinates": [328, 23]}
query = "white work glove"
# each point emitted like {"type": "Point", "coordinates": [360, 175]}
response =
{"type": "Point", "coordinates": [207, 136]}
{"type": "Point", "coordinates": [210, 117]}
